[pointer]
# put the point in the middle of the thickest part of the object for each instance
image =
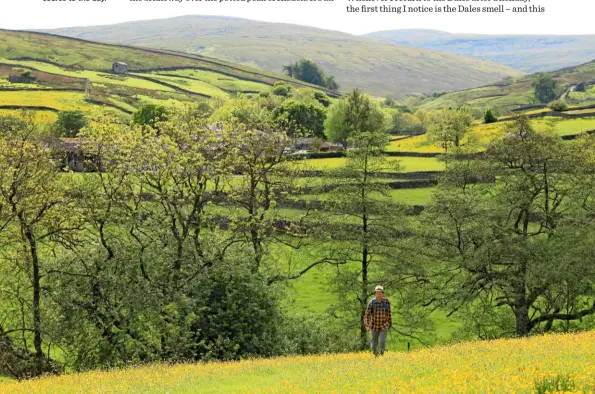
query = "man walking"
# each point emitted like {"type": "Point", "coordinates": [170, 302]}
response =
{"type": "Point", "coordinates": [378, 319]}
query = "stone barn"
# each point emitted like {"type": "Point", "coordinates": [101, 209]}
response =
{"type": "Point", "coordinates": [70, 152]}
{"type": "Point", "coordinates": [120, 67]}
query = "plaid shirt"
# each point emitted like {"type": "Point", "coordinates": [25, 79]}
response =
{"type": "Point", "coordinates": [380, 319]}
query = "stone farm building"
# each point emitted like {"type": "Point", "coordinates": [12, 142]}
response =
{"type": "Point", "coordinates": [316, 145]}
{"type": "Point", "coordinates": [120, 67]}
{"type": "Point", "coordinates": [71, 153]}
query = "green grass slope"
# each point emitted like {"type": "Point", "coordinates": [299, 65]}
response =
{"type": "Point", "coordinates": [513, 93]}
{"type": "Point", "coordinates": [374, 66]}
{"type": "Point", "coordinates": [529, 53]}
{"type": "Point", "coordinates": [88, 55]}
{"type": "Point", "coordinates": [60, 66]}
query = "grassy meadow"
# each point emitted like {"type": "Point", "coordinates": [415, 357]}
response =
{"type": "Point", "coordinates": [484, 133]}
{"type": "Point", "coordinates": [527, 365]}
{"type": "Point", "coordinates": [406, 164]}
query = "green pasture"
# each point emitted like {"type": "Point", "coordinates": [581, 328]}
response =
{"type": "Point", "coordinates": [588, 94]}
{"type": "Point", "coordinates": [407, 164]}
{"type": "Point", "coordinates": [167, 102]}
{"type": "Point", "coordinates": [6, 84]}
{"type": "Point", "coordinates": [53, 99]}
{"type": "Point", "coordinates": [93, 76]}
{"type": "Point", "coordinates": [119, 101]}
{"type": "Point", "coordinates": [564, 126]}
{"type": "Point", "coordinates": [221, 81]}
{"type": "Point", "coordinates": [581, 111]}
{"type": "Point", "coordinates": [38, 116]}
{"type": "Point", "coordinates": [482, 134]}
{"type": "Point", "coordinates": [418, 143]}
{"type": "Point", "coordinates": [192, 85]}
{"type": "Point", "coordinates": [415, 196]}
{"type": "Point", "coordinates": [99, 57]}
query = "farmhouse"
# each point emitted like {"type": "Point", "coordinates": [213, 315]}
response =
{"type": "Point", "coordinates": [315, 145]}
{"type": "Point", "coordinates": [331, 147]}
{"type": "Point", "coordinates": [120, 67]}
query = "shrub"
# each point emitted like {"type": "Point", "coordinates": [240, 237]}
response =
{"type": "Point", "coordinates": [322, 98]}
{"type": "Point", "coordinates": [490, 116]}
{"type": "Point", "coordinates": [69, 123]}
{"type": "Point", "coordinates": [149, 114]}
{"type": "Point", "coordinates": [309, 333]}
{"type": "Point", "coordinates": [281, 90]}
{"type": "Point", "coordinates": [558, 105]}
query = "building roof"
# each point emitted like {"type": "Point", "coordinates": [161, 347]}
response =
{"type": "Point", "coordinates": [121, 63]}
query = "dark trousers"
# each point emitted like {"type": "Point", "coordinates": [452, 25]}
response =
{"type": "Point", "coordinates": [378, 341]}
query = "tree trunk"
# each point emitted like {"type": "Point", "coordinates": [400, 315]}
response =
{"type": "Point", "coordinates": [521, 309]}
{"type": "Point", "coordinates": [363, 303]}
{"type": "Point", "coordinates": [37, 341]}
{"type": "Point", "coordinates": [365, 253]}
{"type": "Point", "coordinates": [523, 323]}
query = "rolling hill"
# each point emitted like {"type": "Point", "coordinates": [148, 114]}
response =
{"type": "Point", "coordinates": [529, 53]}
{"type": "Point", "coordinates": [517, 93]}
{"type": "Point", "coordinates": [49, 73]}
{"type": "Point", "coordinates": [376, 67]}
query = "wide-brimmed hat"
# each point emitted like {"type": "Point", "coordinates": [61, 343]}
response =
{"type": "Point", "coordinates": [379, 288]}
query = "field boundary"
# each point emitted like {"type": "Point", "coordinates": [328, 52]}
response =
{"type": "Point", "coordinates": [38, 70]}
{"type": "Point", "coordinates": [29, 107]}
{"type": "Point", "coordinates": [417, 175]}
{"type": "Point", "coordinates": [575, 136]}
{"type": "Point", "coordinates": [212, 61]}
{"type": "Point", "coordinates": [199, 68]}
{"type": "Point", "coordinates": [51, 89]}
{"type": "Point", "coordinates": [169, 85]}
{"type": "Point", "coordinates": [215, 86]}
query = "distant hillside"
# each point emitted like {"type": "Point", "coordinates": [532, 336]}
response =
{"type": "Point", "coordinates": [529, 53]}
{"type": "Point", "coordinates": [374, 66]}
{"type": "Point", "coordinates": [576, 86]}
{"type": "Point", "coordinates": [49, 73]}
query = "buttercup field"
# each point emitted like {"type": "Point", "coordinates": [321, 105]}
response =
{"type": "Point", "coordinates": [211, 204]}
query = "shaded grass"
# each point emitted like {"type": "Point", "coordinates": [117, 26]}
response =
{"type": "Point", "coordinates": [416, 196]}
